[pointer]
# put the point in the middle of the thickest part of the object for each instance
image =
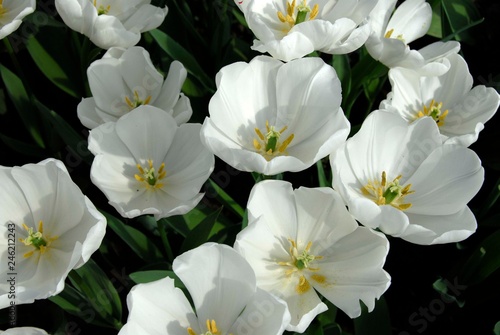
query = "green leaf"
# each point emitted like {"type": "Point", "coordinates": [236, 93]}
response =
{"type": "Point", "coordinates": [226, 199]}
{"type": "Point", "coordinates": [457, 16]}
{"type": "Point", "coordinates": [51, 67]}
{"type": "Point", "coordinates": [435, 30]}
{"type": "Point", "coordinates": [19, 96]}
{"type": "Point", "coordinates": [450, 290]}
{"type": "Point", "coordinates": [483, 262]}
{"type": "Point", "coordinates": [94, 284]}
{"type": "Point", "coordinates": [143, 277]}
{"type": "Point", "coordinates": [342, 66]}
{"type": "Point", "coordinates": [75, 142]}
{"type": "Point", "coordinates": [176, 51]}
{"type": "Point", "coordinates": [201, 233]}
{"type": "Point", "coordinates": [323, 180]}
{"type": "Point", "coordinates": [135, 239]}
{"type": "Point", "coordinates": [376, 322]}
{"type": "Point", "coordinates": [22, 147]}
{"type": "Point", "coordinates": [70, 300]}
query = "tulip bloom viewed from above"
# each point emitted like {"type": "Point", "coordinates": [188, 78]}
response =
{"type": "Point", "coordinates": [224, 294]}
{"type": "Point", "coordinates": [270, 117]}
{"type": "Point", "coordinates": [401, 179]}
{"type": "Point", "coordinates": [125, 79]}
{"type": "Point", "coordinates": [146, 164]}
{"type": "Point", "coordinates": [459, 109]}
{"type": "Point", "coordinates": [291, 29]}
{"type": "Point", "coordinates": [111, 23]}
{"type": "Point", "coordinates": [304, 240]}
{"type": "Point", "coordinates": [56, 229]}
{"type": "Point", "coordinates": [393, 31]}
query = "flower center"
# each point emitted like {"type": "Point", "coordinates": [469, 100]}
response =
{"type": "Point", "coordinates": [384, 193]}
{"type": "Point", "coordinates": [269, 144]}
{"type": "Point", "coordinates": [388, 34]}
{"type": "Point", "coordinates": [434, 111]}
{"type": "Point", "coordinates": [300, 262]}
{"type": "Point", "coordinates": [101, 9]}
{"type": "Point", "coordinates": [211, 329]}
{"type": "Point", "coordinates": [137, 100]}
{"type": "Point", "coordinates": [37, 240]}
{"type": "Point", "coordinates": [149, 176]}
{"type": "Point", "coordinates": [293, 18]}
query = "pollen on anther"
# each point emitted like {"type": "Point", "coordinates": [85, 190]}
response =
{"type": "Point", "coordinates": [303, 285]}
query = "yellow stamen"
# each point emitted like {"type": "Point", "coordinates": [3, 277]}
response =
{"type": "Point", "coordinates": [318, 278]}
{"type": "Point", "coordinates": [269, 145]}
{"type": "Point", "coordinates": [389, 33]}
{"type": "Point", "coordinates": [149, 177]}
{"type": "Point", "coordinates": [37, 240]}
{"type": "Point", "coordinates": [434, 110]}
{"type": "Point", "coordinates": [211, 329]}
{"type": "Point", "coordinates": [137, 101]}
{"type": "Point", "coordinates": [314, 12]}
{"type": "Point", "coordinates": [303, 285]}
{"type": "Point", "coordinates": [297, 14]}
{"type": "Point", "coordinates": [384, 193]}
{"type": "Point", "coordinates": [2, 9]}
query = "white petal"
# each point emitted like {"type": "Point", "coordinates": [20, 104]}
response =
{"type": "Point", "coordinates": [439, 229]}
{"type": "Point", "coordinates": [145, 18]}
{"type": "Point", "coordinates": [87, 114]}
{"type": "Point", "coordinates": [139, 74]}
{"type": "Point", "coordinates": [454, 85]}
{"type": "Point", "coordinates": [107, 86]}
{"type": "Point", "coordinates": [323, 218]}
{"type": "Point", "coordinates": [476, 107]}
{"type": "Point", "coordinates": [158, 307]}
{"type": "Point", "coordinates": [182, 110]}
{"type": "Point", "coordinates": [79, 15]}
{"type": "Point", "coordinates": [264, 314]}
{"type": "Point", "coordinates": [220, 281]}
{"type": "Point", "coordinates": [109, 32]}
{"type": "Point", "coordinates": [412, 19]}
{"type": "Point", "coordinates": [188, 163]}
{"type": "Point", "coordinates": [352, 270]}
{"type": "Point", "coordinates": [245, 99]}
{"type": "Point", "coordinates": [446, 181]}
{"type": "Point", "coordinates": [24, 331]}
{"type": "Point", "coordinates": [172, 86]}
{"type": "Point", "coordinates": [147, 132]}
{"type": "Point", "coordinates": [274, 200]}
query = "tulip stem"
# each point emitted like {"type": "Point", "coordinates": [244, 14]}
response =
{"type": "Point", "coordinates": [162, 228]}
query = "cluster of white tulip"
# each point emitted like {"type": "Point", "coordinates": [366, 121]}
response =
{"type": "Point", "coordinates": [407, 172]}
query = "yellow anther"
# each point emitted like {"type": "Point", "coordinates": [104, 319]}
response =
{"type": "Point", "coordinates": [149, 177]}
{"type": "Point", "coordinates": [434, 110]}
{"type": "Point", "coordinates": [191, 331]}
{"type": "Point", "coordinates": [37, 240]}
{"type": "Point", "coordinates": [269, 144]}
{"type": "Point", "coordinates": [290, 8]}
{"type": "Point", "coordinates": [314, 12]}
{"type": "Point", "coordinates": [261, 136]}
{"type": "Point", "coordinates": [303, 286]}
{"type": "Point", "coordinates": [297, 14]}
{"type": "Point", "coordinates": [389, 33]}
{"type": "Point", "coordinates": [281, 17]}
{"type": "Point", "coordinates": [387, 193]}
{"type": "Point", "coordinates": [318, 278]}
{"type": "Point", "coordinates": [137, 101]}
{"type": "Point", "coordinates": [2, 10]}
